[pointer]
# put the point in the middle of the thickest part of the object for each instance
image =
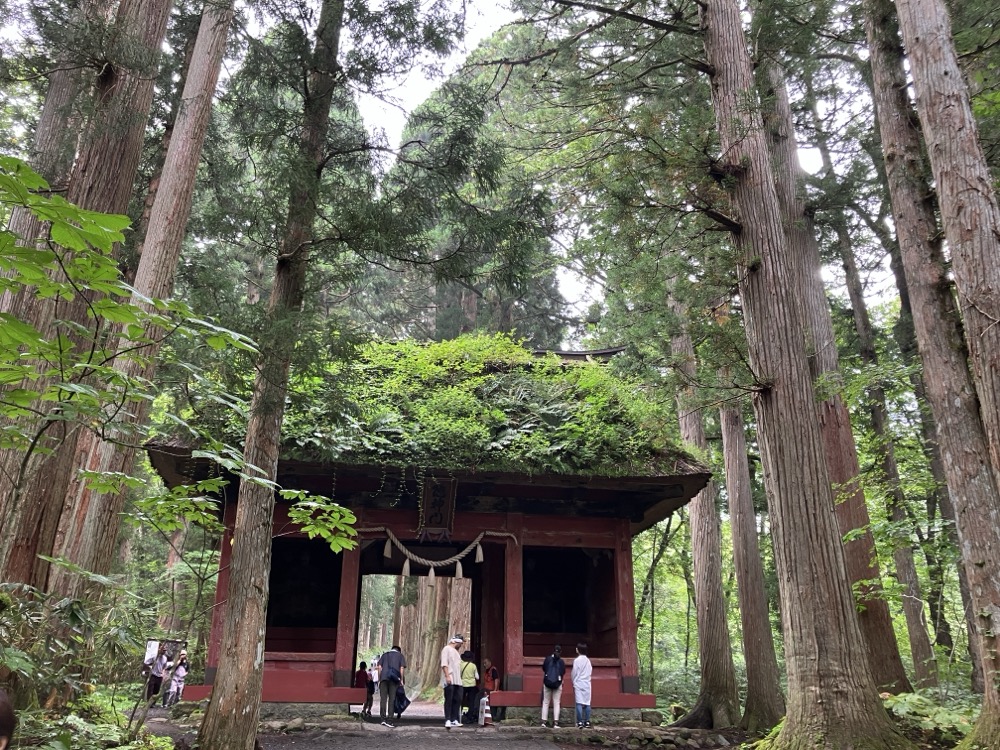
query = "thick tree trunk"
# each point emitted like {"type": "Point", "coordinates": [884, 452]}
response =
{"type": "Point", "coordinates": [470, 309]}
{"type": "Point", "coordinates": [231, 719]}
{"type": "Point", "coordinates": [964, 438]}
{"type": "Point", "coordinates": [424, 630]}
{"type": "Point", "coordinates": [765, 702]}
{"type": "Point", "coordinates": [832, 698]}
{"type": "Point", "coordinates": [718, 702]}
{"type": "Point", "coordinates": [57, 131]}
{"type": "Point", "coordinates": [967, 200]}
{"type": "Point", "coordinates": [92, 529]}
{"type": "Point", "coordinates": [938, 499]}
{"type": "Point", "coordinates": [924, 663]}
{"type": "Point", "coordinates": [841, 452]}
{"type": "Point", "coordinates": [101, 180]}
{"type": "Point", "coordinates": [397, 625]}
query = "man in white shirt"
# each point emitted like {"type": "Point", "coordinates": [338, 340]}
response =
{"type": "Point", "coordinates": [451, 681]}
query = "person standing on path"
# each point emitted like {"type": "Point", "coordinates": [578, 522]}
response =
{"type": "Point", "coordinates": [156, 667]}
{"type": "Point", "coordinates": [491, 683]}
{"type": "Point", "coordinates": [582, 671]}
{"type": "Point", "coordinates": [363, 679]}
{"type": "Point", "coordinates": [470, 680]}
{"type": "Point", "coordinates": [553, 670]}
{"type": "Point", "coordinates": [391, 668]}
{"type": "Point", "coordinates": [176, 692]}
{"type": "Point", "coordinates": [451, 681]}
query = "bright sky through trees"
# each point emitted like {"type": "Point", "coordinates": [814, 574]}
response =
{"type": "Point", "coordinates": [402, 96]}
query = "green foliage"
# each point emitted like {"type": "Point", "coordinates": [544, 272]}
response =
{"type": "Point", "coordinates": [63, 373]}
{"type": "Point", "coordinates": [93, 724]}
{"type": "Point", "coordinates": [483, 403]}
{"type": "Point", "coordinates": [51, 644]}
{"type": "Point", "coordinates": [924, 710]}
{"type": "Point", "coordinates": [318, 516]}
{"type": "Point", "coordinates": [192, 503]}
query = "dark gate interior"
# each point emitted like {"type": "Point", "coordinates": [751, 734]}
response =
{"type": "Point", "coordinates": [569, 597]}
{"type": "Point", "coordinates": [302, 610]}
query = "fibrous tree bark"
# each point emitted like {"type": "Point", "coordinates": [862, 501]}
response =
{"type": "Point", "coordinates": [91, 530]}
{"type": "Point", "coordinates": [765, 703]}
{"type": "Point", "coordinates": [921, 652]}
{"type": "Point", "coordinates": [63, 112]}
{"type": "Point", "coordinates": [107, 160]}
{"type": "Point", "coordinates": [231, 719]}
{"type": "Point", "coordinates": [937, 500]}
{"type": "Point", "coordinates": [833, 701]}
{"type": "Point", "coordinates": [924, 663]}
{"type": "Point", "coordinates": [970, 218]}
{"type": "Point", "coordinates": [841, 451]}
{"type": "Point", "coordinates": [718, 702]}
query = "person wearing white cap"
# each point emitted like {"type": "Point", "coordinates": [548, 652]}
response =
{"type": "Point", "coordinates": [451, 681]}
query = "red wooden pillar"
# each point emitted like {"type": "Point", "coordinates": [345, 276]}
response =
{"type": "Point", "coordinates": [627, 628]}
{"type": "Point", "coordinates": [221, 594]}
{"type": "Point", "coordinates": [347, 618]}
{"type": "Point", "coordinates": [514, 605]}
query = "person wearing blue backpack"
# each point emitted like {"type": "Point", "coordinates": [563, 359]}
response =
{"type": "Point", "coordinates": [553, 669]}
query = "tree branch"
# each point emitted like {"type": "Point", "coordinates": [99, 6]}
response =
{"type": "Point", "coordinates": [622, 13]}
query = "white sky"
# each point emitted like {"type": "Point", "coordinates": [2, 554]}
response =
{"type": "Point", "coordinates": [482, 19]}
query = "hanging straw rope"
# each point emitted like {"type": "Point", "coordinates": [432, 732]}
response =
{"type": "Point", "coordinates": [393, 541]}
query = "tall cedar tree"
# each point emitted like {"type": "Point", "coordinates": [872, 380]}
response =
{"type": "Point", "coordinates": [231, 719]}
{"type": "Point", "coordinates": [107, 159]}
{"type": "Point", "coordinates": [765, 704]}
{"type": "Point", "coordinates": [54, 144]}
{"type": "Point", "coordinates": [92, 528]}
{"type": "Point", "coordinates": [921, 651]}
{"type": "Point", "coordinates": [718, 704]}
{"type": "Point", "coordinates": [841, 452]}
{"type": "Point", "coordinates": [832, 698]}
{"type": "Point", "coordinates": [883, 41]}
{"type": "Point", "coordinates": [970, 218]}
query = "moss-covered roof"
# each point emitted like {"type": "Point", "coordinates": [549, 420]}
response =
{"type": "Point", "coordinates": [483, 403]}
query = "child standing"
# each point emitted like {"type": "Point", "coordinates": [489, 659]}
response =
{"type": "Point", "coordinates": [363, 678]}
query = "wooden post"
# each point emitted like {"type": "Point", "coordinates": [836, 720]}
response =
{"type": "Point", "coordinates": [627, 627]}
{"type": "Point", "coordinates": [514, 605]}
{"type": "Point", "coordinates": [347, 621]}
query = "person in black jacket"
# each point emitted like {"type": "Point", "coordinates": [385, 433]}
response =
{"type": "Point", "coordinates": [553, 669]}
